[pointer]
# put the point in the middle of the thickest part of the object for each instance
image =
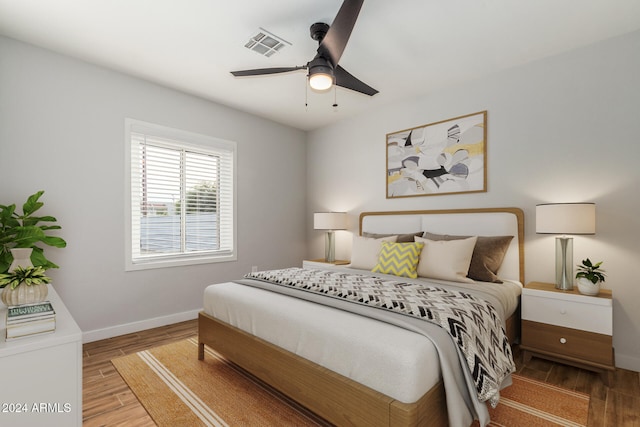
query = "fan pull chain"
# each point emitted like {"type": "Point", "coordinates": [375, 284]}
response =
{"type": "Point", "coordinates": [335, 98]}
{"type": "Point", "coordinates": [306, 95]}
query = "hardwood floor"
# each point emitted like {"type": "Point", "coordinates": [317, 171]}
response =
{"type": "Point", "coordinates": [106, 398]}
{"type": "Point", "coordinates": [615, 406]}
{"type": "Point", "coordinates": [107, 401]}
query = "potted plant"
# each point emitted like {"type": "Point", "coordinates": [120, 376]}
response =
{"type": "Point", "coordinates": [25, 231]}
{"type": "Point", "coordinates": [589, 276]}
{"type": "Point", "coordinates": [24, 285]}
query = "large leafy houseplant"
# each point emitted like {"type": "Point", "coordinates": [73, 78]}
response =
{"type": "Point", "coordinates": [26, 230]}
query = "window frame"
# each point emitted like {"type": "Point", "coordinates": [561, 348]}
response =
{"type": "Point", "coordinates": [194, 142]}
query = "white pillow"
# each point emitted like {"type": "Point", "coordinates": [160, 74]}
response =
{"type": "Point", "coordinates": [366, 250]}
{"type": "Point", "coordinates": [446, 259]}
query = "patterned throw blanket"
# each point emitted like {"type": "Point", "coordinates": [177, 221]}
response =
{"type": "Point", "coordinates": [471, 322]}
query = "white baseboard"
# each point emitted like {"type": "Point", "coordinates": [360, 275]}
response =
{"type": "Point", "coordinates": [128, 328]}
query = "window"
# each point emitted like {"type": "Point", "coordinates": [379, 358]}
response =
{"type": "Point", "coordinates": [181, 197]}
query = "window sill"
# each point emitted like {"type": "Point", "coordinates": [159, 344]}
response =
{"type": "Point", "coordinates": [177, 262]}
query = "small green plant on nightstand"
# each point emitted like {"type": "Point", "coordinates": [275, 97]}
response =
{"type": "Point", "coordinates": [29, 275]}
{"type": "Point", "coordinates": [590, 271]}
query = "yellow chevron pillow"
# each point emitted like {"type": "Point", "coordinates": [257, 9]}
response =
{"type": "Point", "coordinates": [399, 259]}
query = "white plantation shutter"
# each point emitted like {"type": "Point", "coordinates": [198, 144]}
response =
{"type": "Point", "coordinates": [182, 198]}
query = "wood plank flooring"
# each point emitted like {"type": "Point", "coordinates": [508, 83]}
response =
{"type": "Point", "coordinates": [106, 398]}
{"type": "Point", "coordinates": [107, 401]}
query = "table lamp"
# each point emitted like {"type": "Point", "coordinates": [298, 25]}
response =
{"type": "Point", "coordinates": [565, 218]}
{"type": "Point", "coordinates": [330, 221]}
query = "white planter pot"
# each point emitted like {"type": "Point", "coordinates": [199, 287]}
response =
{"type": "Point", "coordinates": [24, 294]}
{"type": "Point", "coordinates": [587, 287]}
{"type": "Point", "coordinates": [21, 258]}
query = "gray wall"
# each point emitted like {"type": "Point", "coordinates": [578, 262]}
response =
{"type": "Point", "coordinates": [564, 129]}
{"type": "Point", "coordinates": [62, 131]}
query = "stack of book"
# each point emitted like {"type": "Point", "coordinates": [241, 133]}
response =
{"type": "Point", "coordinates": [30, 319]}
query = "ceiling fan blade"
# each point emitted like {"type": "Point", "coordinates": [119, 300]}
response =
{"type": "Point", "coordinates": [346, 80]}
{"type": "Point", "coordinates": [334, 42]}
{"type": "Point", "coordinates": [263, 71]}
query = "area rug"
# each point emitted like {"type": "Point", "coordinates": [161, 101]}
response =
{"type": "Point", "coordinates": [531, 403]}
{"type": "Point", "coordinates": [177, 389]}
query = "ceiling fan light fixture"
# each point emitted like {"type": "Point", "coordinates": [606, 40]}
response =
{"type": "Point", "coordinates": [320, 81]}
{"type": "Point", "coordinates": [320, 75]}
{"type": "Point", "coordinates": [323, 71]}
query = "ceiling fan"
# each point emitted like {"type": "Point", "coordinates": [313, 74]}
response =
{"type": "Point", "coordinates": [323, 69]}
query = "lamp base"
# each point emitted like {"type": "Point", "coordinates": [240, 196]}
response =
{"type": "Point", "coordinates": [564, 263]}
{"type": "Point", "coordinates": [329, 247]}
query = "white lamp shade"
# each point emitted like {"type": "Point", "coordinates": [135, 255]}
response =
{"type": "Point", "coordinates": [330, 221]}
{"type": "Point", "coordinates": [566, 218]}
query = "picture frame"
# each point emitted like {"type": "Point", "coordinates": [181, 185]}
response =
{"type": "Point", "coordinates": [445, 157]}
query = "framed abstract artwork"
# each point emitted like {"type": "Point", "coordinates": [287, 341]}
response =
{"type": "Point", "coordinates": [439, 158]}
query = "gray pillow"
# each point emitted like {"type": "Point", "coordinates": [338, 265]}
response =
{"type": "Point", "coordinates": [402, 238]}
{"type": "Point", "coordinates": [487, 257]}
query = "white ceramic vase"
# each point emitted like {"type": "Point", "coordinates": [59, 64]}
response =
{"type": "Point", "coordinates": [587, 287]}
{"type": "Point", "coordinates": [23, 294]}
{"type": "Point", "coordinates": [21, 258]}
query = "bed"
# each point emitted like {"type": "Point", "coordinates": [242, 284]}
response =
{"type": "Point", "coordinates": [310, 359]}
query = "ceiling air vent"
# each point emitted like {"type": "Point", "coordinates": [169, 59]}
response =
{"type": "Point", "coordinates": [266, 43]}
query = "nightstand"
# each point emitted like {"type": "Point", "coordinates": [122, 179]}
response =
{"type": "Point", "coordinates": [321, 263]}
{"type": "Point", "coordinates": [568, 327]}
{"type": "Point", "coordinates": [42, 375]}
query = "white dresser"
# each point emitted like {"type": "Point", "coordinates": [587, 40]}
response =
{"type": "Point", "coordinates": [41, 376]}
{"type": "Point", "coordinates": [568, 327]}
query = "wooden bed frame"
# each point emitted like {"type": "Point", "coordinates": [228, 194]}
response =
{"type": "Point", "coordinates": [336, 398]}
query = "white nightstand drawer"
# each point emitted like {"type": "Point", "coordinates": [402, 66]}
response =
{"type": "Point", "coordinates": [579, 314]}
{"type": "Point", "coordinates": [324, 265]}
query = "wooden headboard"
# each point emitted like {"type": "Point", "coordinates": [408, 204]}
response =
{"type": "Point", "coordinates": [469, 222]}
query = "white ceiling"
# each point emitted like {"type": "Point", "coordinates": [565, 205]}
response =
{"type": "Point", "coordinates": [403, 48]}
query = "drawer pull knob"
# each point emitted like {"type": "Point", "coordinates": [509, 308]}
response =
{"type": "Point", "coordinates": [563, 311]}
{"type": "Point", "coordinates": [563, 340]}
